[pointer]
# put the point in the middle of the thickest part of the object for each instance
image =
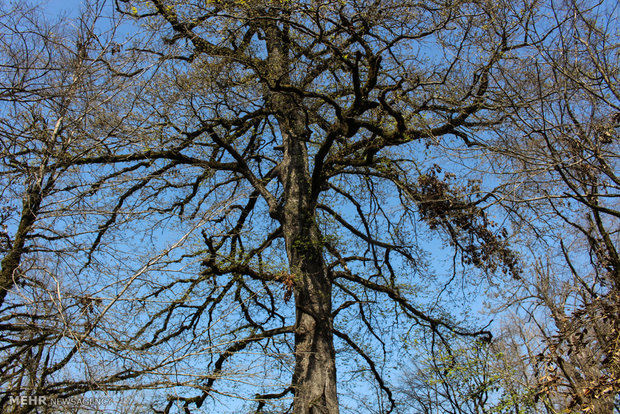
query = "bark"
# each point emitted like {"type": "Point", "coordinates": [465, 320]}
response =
{"type": "Point", "coordinates": [314, 376]}
{"type": "Point", "coordinates": [10, 262]}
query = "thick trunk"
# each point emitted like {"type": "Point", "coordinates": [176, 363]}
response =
{"type": "Point", "coordinates": [314, 377]}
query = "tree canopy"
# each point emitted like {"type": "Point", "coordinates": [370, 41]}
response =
{"type": "Point", "coordinates": [266, 205]}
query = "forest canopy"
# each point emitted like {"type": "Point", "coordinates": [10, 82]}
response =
{"type": "Point", "coordinates": [310, 207]}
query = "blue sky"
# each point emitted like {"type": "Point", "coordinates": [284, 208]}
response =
{"type": "Point", "coordinates": [59, 7]}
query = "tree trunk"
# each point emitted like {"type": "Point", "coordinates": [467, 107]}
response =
{"type": "Point", "coordinates": [12, 260]}
{"type": "Point", "coordinates": [314, 377]}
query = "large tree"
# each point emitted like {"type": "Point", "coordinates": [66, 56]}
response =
{"type": "Point", "coordinates": [318, 106]}
{"type": "Point", "coordinates": [322, 125]}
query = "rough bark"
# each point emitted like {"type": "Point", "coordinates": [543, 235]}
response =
{"type": "Point", "coordinates": [314, 378]}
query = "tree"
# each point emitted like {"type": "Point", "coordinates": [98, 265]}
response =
{"type": "Point", "coordinates": [569, 168]}
{"type": "Point", "coordinates": [64, 306]}
{"type": "Point", "coordinates": [294, 100]}
{"type": "Point", "coordinates": [559, 149]}
{"type": "Point", "coordinates": [318, 123]}
{"type": "Point", "coordinates": [474, 377]}
{"type": "Point", "coordinates": [43, 85]}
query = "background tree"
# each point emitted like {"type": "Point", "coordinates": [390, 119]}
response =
{"type": "Point", "coordinates": [559, 148]}
{"type": "Point", "coordinates": [471, 377]}
{"type": "Point", "coordinates": [66, 297]}
{"type": "Point", "coordinates": [569, 163]}
{"type": "Point", "coordinates": [43, 85]}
